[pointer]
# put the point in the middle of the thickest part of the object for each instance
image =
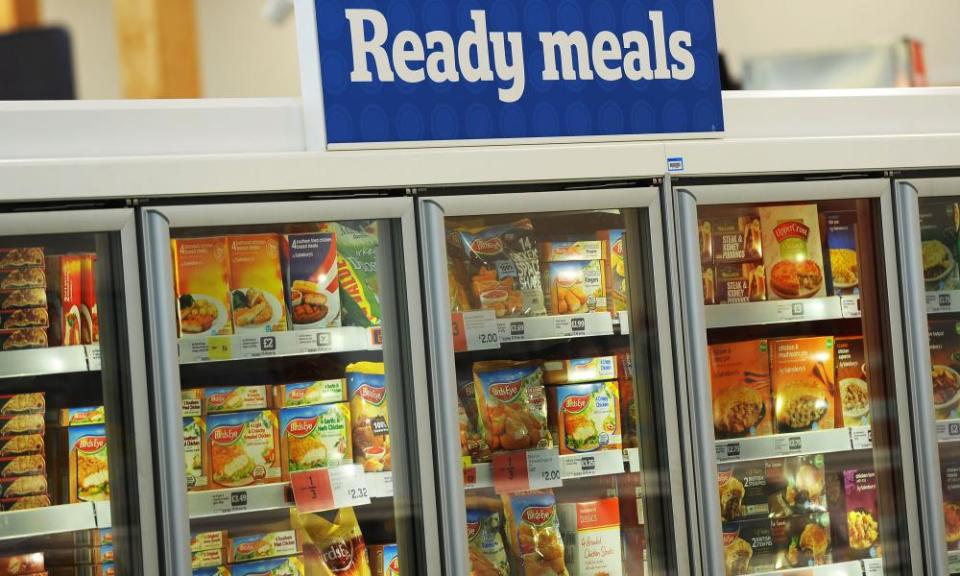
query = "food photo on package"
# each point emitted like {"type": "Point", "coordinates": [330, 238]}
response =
{"type": "Point", "coordinates": [357, 244]}
{"type": "Point", "coordinates": [939, 240]}
{"type": "Point", "coordinates": [256, 283]}
{"type": "Point", "coordinates": [852, 381]}
{"type": "Point", "coordinates": [802, 540]}
{"type": "Point", "coordinates": [314, 437]}
{"type": "Point", "coordinates": [201, 269]}
{"type": "Point", "coordinates": [244, 448]}
{"type": "Point", "coordinates": [512, 405]}
{"type": "Point", "coordinates": [88, 469]}
{"type": "Point", "coordinates": [950, 489]}
{"type": "Point", "coordinates": [587, 417]}
{"type": "Point", "coordinates": [740, 380]}
{"type": "Point", "coordinates": [485, 541]}
{"type": "Point", "coordinates": [748, 547]}
{"type": "Point", "coordinates": [944, 335]}
{"type": "Point", "coordinates": [842, 249]}
{"type": "Point", "coordinates": [802, 373]}
{"type": "Point", "coordinates": [792, 253]}
{"type": "Point", "coordinates": [533, 530]}
{"type": "Point", "coordinates": [369, 416]}
{"type": "Point", "coordinates": [312, 280]}
{"type": "Point", "coordinates": [746, 488]}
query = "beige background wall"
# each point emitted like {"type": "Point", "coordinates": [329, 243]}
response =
{"type": "Point", "coordinates": [243, 55]}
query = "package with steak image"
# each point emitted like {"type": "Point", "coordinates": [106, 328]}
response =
{"type": "Point", "coordinates": [852, 382]}
{"type": "Point", "coordinates": [333, 544]}
{"type": "Point", "coordinates": [384, 560]}
{"type": "Point", "coordinates": [802, 373]}
{"type": "Point", "coordinates": [945, 366]}
{"type": "Point", "coordinates": [740, 379]}
{"type": "Point", "coordinates": [89, 476]}
{"type": "Point", "coordinates": [313, 285]}
{"type": "Point", "coordinates": [792, 253]}
{"type": "Point", "coordinates": [939, 238]}
{"type": "Point", "coordinates": [746, 488]}
{"type": "Point", "coordinates": [748, 547]}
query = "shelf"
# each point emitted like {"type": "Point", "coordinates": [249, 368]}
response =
{"type": "Point", "coordinates": [572, 467]}
{"type": "Point", "coordinates": [273, 344]}
{"type": "Point", "coordinates": [482, 330]}
{"type": "Point", "coordinates": [782, 311]}
{"type": "Point", "coordinates": [800, 443]}
{"type": "Point", "coordinates": [56, 360]}
{"type": "Point", "coordinates": [943, 302]}
{"type": "Point", "coordinates": [48, 520]}
{"type": "Point", "coordinates": [871, 567]}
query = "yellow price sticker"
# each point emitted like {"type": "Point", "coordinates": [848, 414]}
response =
{"type": "Point", "coordinates": [220, 347]}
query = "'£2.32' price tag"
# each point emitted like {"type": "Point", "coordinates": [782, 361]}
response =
{"type": "Point", "coordinates": [530, 470]}
{"type": "Point", "coordinates": [329, 488]}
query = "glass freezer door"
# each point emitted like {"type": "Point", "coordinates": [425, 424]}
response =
{"type": "Point", "coordinates": [289, 395]}
{"type": "Point", "coordinates": [796, 357]}
{"type": "Point", "coordinates": [75, 453]}
{"type": "Point", "coordinates": [552, 376]}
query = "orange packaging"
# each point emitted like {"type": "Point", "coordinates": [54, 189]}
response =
{"type": "Point", "coordinates": [853, 407]}
{"type": "Point", "coordinates": [802, 372]}
{"type": "Point", "coordinates": [256, 283]}
{"type": "Point", "coordinates": [63, 276]}
{"type": "Point", "coordinates": [202, 279]}
{"type": "Point", "coordinates": [740, 381]}
{"type": "Point", "coordinates": [89, 321]}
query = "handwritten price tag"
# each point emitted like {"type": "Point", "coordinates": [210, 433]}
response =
{"type": "Point", "coordinates": [329, 488]}
{"type": "Point", "coordinates": [220, 347]}
{"type": "Point", "coordinates": [530, 470]}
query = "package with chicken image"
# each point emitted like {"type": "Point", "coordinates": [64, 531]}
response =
{"type": "Point", "coordinates": [369, 419]}
{"type": "Point", "coordinates": [195, 452]}
{"type": "Point", "coordinates": [587, 417]}
{"type": "Point", "coordinates": [201, 268]}
{"type": "Point", "coordinates": [314, 437]}
{"type": "Point", "coordinates": [256, 283]}
{"type": "Point", "coordinates": [533, 529]}
{"type": "Point", "coordinates": [313, 285]}
{"type": "Point", "coordinates": [89, 476]}
{"type": "Point", "coordinates": [244, 448]}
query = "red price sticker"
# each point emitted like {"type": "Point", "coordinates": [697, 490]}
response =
{"type": "Point", "coordinates": [329, 488]}
{"type": "Point", "coordinates": [530, 470]}
{"type": "Point", "coordinates": [470, 477]}
{"type": "Point", "coordinates": [459, 333]}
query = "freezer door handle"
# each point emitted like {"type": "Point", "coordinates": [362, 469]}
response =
{"type": "Point", "coordinates": [165, 384]}
{"type": "Point", "coordinates": [452, 501]}
{"type": "Point", "coordinates": [694, 328]}
{"type": "Point", "coordinates": [907, 206]}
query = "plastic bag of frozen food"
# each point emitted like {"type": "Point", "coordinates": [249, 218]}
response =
{"type": "Point", "coordinates": [503, 268]}
{"type": "Point", "coordinates": [370, 429]}
{"type": "Point", "coordinates": [512, 405]}
{"type": "Point", "coordinates": [357, 243]}
{"type": "Point", "coordinates": [332, 547]}
{"type": "Point", "coordinates": [488, 555]}
{"type": "Point", "coordinates": [534, 532]}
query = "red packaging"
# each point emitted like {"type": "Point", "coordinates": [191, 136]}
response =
{"type": "Point", "coordinates": [89, 321]}
{"type": "Point", "coordinates": [21, 564]}
{"type": "Point", "coordinates": [63, 279]}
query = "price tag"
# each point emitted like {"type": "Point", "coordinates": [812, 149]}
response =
{"type": "Point", "coordinates": [861, 438]}
{"type": "Point", "coordinates": [727, 451]}
{"type": "Point", "coordinates": [874, 567]}
{"type": "Point", "coordinates": [476, 330]}
{"type": "Point", "coordinates": [470, 477]}
{"type": "Point", "coordinates": [850, 306]}
{"type": "Point", "coordinates": [93, 358]}
{"type": "Point", "coordinates": [953, 561]}
{"type": "Point", "coordinates": [226, 502]}
{"type": "Point", "coordinates": [329, 488]}
{"type": "Point", "coordinates": [790, 311]}
{"type": "Point", "coordinates": [788, 445]}
{"type": "Point", "coordinates": [948, 430]}
{"type": "Point", "coordinates": [220, 347]}
{"type": "Point", "coordinates": [632, 458]}
{"type": "Point", "coordinates": [530, 470]}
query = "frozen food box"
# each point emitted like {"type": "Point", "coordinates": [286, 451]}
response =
{"type": "Point", "coordinates": [746, 488]}
{"type": "Point", "coordinates": [256, 283]}
{"type": "Point", "coordinates": [618, 296]}
{"type": "Point", "coordinates": [792, 253]}
{"type": "Point", "coordinates": [20, 564]}
{"type": "Point", "coordinates": [802, 541]}
{"type": "Point", "coordinates": [82, 416]}
{"type": "Point", "coordinates": [25, 297]}
{"type": "Point", "coordinates": [21, 445]}
{"type": "Point", "coordinates": [576, 287]}
{"type": "Point", "coordinates": [629, 410]}
{"type": "Point", "coordinates": [473, 444]}
{"type": "Point", "coordinates": [950, 486]}
{"type": "Point", "coordinates": [709, 285]}
{"type": "Point", "coordinates": [588, 417]}
{"type": "Point", "coordinates": [29, 465]}
{"type": "Point", "coordinates": [289, 566]}
{"type": "Point", "coordinates": [799, 486]}
{"type": "Point", "coordinates": [191, 402]}
{"type": "Point", "coordinates": [939, 243]}
{"type": "Point", "coordinates": [89, 315]}
{"type": "Point", "coordinates": [310, 393]}
{"type": "Point", "coordinates": [24, 503]}
{"type": "Point", "coordinates": [576, 370]}
{"type": "Point", "coordinates": [740, 380]}
{"type": "Point", "coordinates": [263, 546]}
{"type": "Point", "coordinates": [315, 437]}
{"type": "Point", "coordinates": [705, 239]}
{"type": "Point", "coordinates": [512, 405]}
{"type": "Point", "coordinates": [488, 554]}
{"type": "Point", "coordinates": [20, 278]}
{"type": "Point", "coordinates": [384, 560]}
{"type": "Point", "coordinates": [195, 452]}
{"type": "Point", "coordinates": [357, 243]}
{"type": "Point", "coordinates": [64, 290]}
{"type": "Point", "coordinates": [20, 318]}
{"type": "Point", "coordinates": [89, 476]}
{"type": "Point", "coordinates": [312, 279]}
{"type": "Point", "coordinates": [503, 269]}
{"type": "Point", "coordinates": [945, 364]}
{"type": "Point", "coordinates": [738, 283]}
{"type": "Point", "coordinates": [208, 558]}
{"type": "Point", "coordinates": [23, 339]}
{"type": "Point", "coordinates": [842, 249]}
{"type": "Point", "coordinates": [68, 557]}
{"type": "Point", "coordinates": [803, 375]}
{"type": "Point", "coordinates": [735, 235]}
{"type": "Point", "coordinates": [220, 399]}
{"type": "Point", "coordinates": [591, 534]}
{"type": "Point", "coordinates": [861, 529]}
{"type": "Point", "coordinates": [369, 419]}
{"type": "Point", "coordinates": [208, 540]}
{"type": "Point", "coordinates": [533, 529]}
{"type": "Point", "coordinates": [19, 424]}
{"type": "Point", "coordinates": [748, 547]}
{"type": "Point", "coordinates": [852, 382]}
{"type": "Point", "coordinates": [573, 250]}
{"type": "Point", "coordinates": [244, 448]}
{"type": "Point", "coordinates": [22, 257]}
{"type": "Point", "coordinates": [27, 403]}
{"type": "Point", "coordinates": [98, 537]}
{"type": "Point", "coordinates": [202, 277]}
{"type": "Point", "coordinates": [18, 486]}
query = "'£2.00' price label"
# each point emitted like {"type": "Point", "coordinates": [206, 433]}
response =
{"type": "Point", "coordinates": [526, 470]}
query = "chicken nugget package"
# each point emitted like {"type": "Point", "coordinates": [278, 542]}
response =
{"type": "Point", "coordinates": [512, 405]}
{"type": "Point", "coordinates": [256, 283]}
{"type": "Point", "coordinates": [89, 476]}
{"type": "Point", "coordinates": [333, 547]}
{"type": "Point", "coordinates": [370, 428]}
{"type": "Point", "coordinates": [315, 437]}
{"type": "Point", "coordinates": [488, 555]}
{"type": "Point", "coordinates": [533, 529]}
{"type": "Point", "coordinates": [575, 276]}
{"type": "Point", "coordinates": [503, 268]}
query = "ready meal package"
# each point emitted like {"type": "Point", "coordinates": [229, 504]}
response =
{"type": "Point", "coordinates": [802, 540]}
{"type": "Point", "coordinates": [488, 555]}
{"type": "Point", "coordinates": [18, 424]}
{"type": "Point", "coordinates": [792, 253]}
{"type": "Point", "coordinates": [333, 547]}
{"type": "Point", "coordinates": [749, 547]}
{"type": "Point", "coordinates": [21, 445]}
{"type": "Point", "coordinates": [263, 546]}
{"type": "Point", "coordinates": [89, 315]}
{"type": "Point", "coordinates": [23, 339]}
{"type": "Point", "coordinates": [746, 488]}
{"type": "Point", "coordinates": [578, 370]}
{"type": "Point", "coordinates": [731, 257]}
{"type": "Point", "coordinates": [512, 404]}
{"type": "Point", "coordinates": [191, 402]}
{"type": "Point", "coordinates": [28, 403]}
{"type": "Point", "coordinates": [89, 476]}
{"type": "Point", "coordinates": [310, 393]}
{"type": "Point", "coordinates": [939, 241]}
{"type": "Point", "coordinates": [533, 530]}
{"type": "Point", "coordinates": [950, 486]}
{"type": "Point", "coordinates": [315, 437]}
{"type": "Point", "coordinates": [195, 452]}
{"type": "Point", "coordinates": [24, 257]}
{"type": "Point", "coordinates": [618, 298]}
{"type": "Point", "coordinates": [740, 380]}
{"type": "Point", "coordinates": [244, 448]}
{"type": "Point", "coordinates": [25, 297]}
{"type": "Point", "coordinates": [213, 571]}
{"type": "Point", "coordinates": [801, 487]}
{"type": "Point", "coordinates": [575, 276]}
{"type": "Point", "coordinates": [312, 280]}
{"type": "Point", "coordinates": [219, 399]}
{"type": "Point", "coordinates": [629, 411]}
{"type": "Point", "coordinates": [503, 269]}
{"type": "Point", "coordinates": [21, 564]}
{"type": "Point", "coordinates": [852, 381]}
{"type": "Point", "coordinates": [208, 559]}
{"type": "Point", "coordinates": [213, 540]}
{"type": "Point", "coordinates": [82, 416]}
{"type": "Point", "coordinates": [357, 244]}
{"type": "Point", "coordinates": [369, 419]}
{"type": "Point", "coordinates": [256, 283]}
{"type": "Point", "coordinates": [945, 364]}
{"type": "Point", "coordinates": [842, 248]}
{"type": "Point", "coordinates": [201, 268]}
{"type": "Point", "coordinates": [384, 560]}
{"type": "Point", "coordinates": [13, 466]}
{"type": "Point", "coordinates": [860, 528]}
{"type": "Point", "coordinates": [591, 532]}
{"type": "Point", "coordinates": [289, 566]}
{"type": "Point", "coordinates": [738, 283]}
{"type": "Point", "coordinates": [588, 417]}
{"type": "Point", "coordinates": [803, 374]}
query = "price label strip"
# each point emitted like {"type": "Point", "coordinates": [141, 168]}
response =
{"type": "Point", "coordinates": [529, 470]}
{"type": "Point", "coordinates": [329, 488]}
{"type": "Point", "coordinates": [547, 327]}
{"type": "Point", "coordinates": [948, 431]}
{"type": "Point", "coordinates": [861, 438]}
{"type": "Point", "coordinates": [850, 306]}
{"type": "Point", "coordinates": [476, 330]}
{"type": "Point", "coordinates": [94, 362]}
{"type": "Point", "coordinates": [599, 463]}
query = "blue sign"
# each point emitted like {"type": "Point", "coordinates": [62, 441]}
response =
{"type": "Point", "coordinates": [431, 70]}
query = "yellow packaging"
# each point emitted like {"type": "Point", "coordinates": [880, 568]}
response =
{"type": "Point", "coordinates": [256, 283]}
{"type": "Point", "coordinates": [202, 279]}
{"type": "Point", "coordinates": [367, 389]}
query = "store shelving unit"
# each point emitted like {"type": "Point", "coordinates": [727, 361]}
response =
{"type": "Point", "coordinates": [572, 467]}
{"type": "Point", "coordinates": [275, 344]}
{"type": "Point", "coordinates": [782, 311]}
{"type": "Point", "coordinates": [44, 361]}
{"type": "Point", "coordinates": [871, 567]}
{"type": "Point", "coordinates": [943, 302]}
{"type": "Point", "coordinates": [54, 520]}
{"type": "Point", "coordinates": [798, 444]}
{"type": "Point", "coordinates": [482, 330]}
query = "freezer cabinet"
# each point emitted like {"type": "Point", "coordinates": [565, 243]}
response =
{"type": "Point", "coordinates": [75, 451]}
{"type": "Point", "coordinates": [287, 388]}
{"type": "Point", "coordinates": [796, 357]}
{"type": "Point", "coordinates": [553, 382]}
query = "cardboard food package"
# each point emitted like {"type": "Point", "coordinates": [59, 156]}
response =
{"type": "Point", "coordinates": [191, 402]}
{"type": "Point", "coordinates": [82, 416]}
{"type": "Point", "coordinates": [587, 417]}
{"type": "Point", "coordinates": [244, 448]}
{"type": "Point", "coordinates": [749, 547]}
{"type": "Point", "coordinates": [26, 485]}
{"type": "Point", "coordinates": [89, 472]}
{"type": "Point", "coordinates": [312, 280]}
{"type": "Point", "coordinates": [802, 373]}
{"type": "Point", "coordinates": [21, 445]}
{"type": "Point", "coordinates": [208, 540]}
{"type": "Point", "coordinates": [740, 380]}
{"type": "Point", "coordinates": [939, 243]}
{"type": "Point", "coordinates": [731, 257]}
{"type": "Point", "coordinates": [21, 564]}
{"type": "Point", "coordinates": [208, 558]}
{"type": "Point", "coordinates": [21, 278]}
{"type": "Point", "coordinates": [802, 540]}
{"type": "Point", "coordinates": [618, 296]}
{"type": "Point", "coordinates": [201, 269]}
{"type": "Point", "coordinates": [792, 253]}
{"type": "Point", "coordinates": [842, 249]}
{"type": "Point", "coordinates": [369, 417]}
{"type": "Point", "coordinates": [19, 424]}
{"type": "Point", "coordinates": [21, 257]}
{"type": "Point", "coordinates": [384, 560]}
{"type": "Point", "coordinates": [263, 546]}
{"type": "Point", "coordinates": [853, 383]}
{"type": "Point", "coordinates": [746, 488]}
{"type": "Point", "coordinates": [800, 487]}
{"type": "Point", "coordinates": [21, 318]}
{"type": "Point", "coordinates": [23, 339]}
{"type": "Point", "coordinates": [575, 276]}
{"type": "Point", "coordinates": [256, 283]}
{"type": "Point", "coordinates": [287, 566]}
{"type": "Point", "coordinates": [28, 403]}
{"type": "Point", "coordinates": [357, 244]}
{"type": "Point", "coordinates": [945, 366]}
{"type": "Point", "coordinates": [739, 282]}
{"type": "Point", "coordinates": [89, 315]}
{"type": "Point", "coordinates": [310, 393]}
{"type": "Point", "coordinates": [860, 529]}
{"type": "Point", "coordinates": [315, 437]}
{"type": "Point", "coordinates": [64, 290]}
{"type": "Point", "coordinates": [591, 533]}
{"type": "Point", "coordinates": [195, 452]}
{"type": "Point", "coordinates": [577, 370]}
{"type": "Point", "coordinates": [219, 399]}
{"type": "Point", "coordinates": [950, 487]}
{"type": "Point", "coordinates": [512, 405]}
